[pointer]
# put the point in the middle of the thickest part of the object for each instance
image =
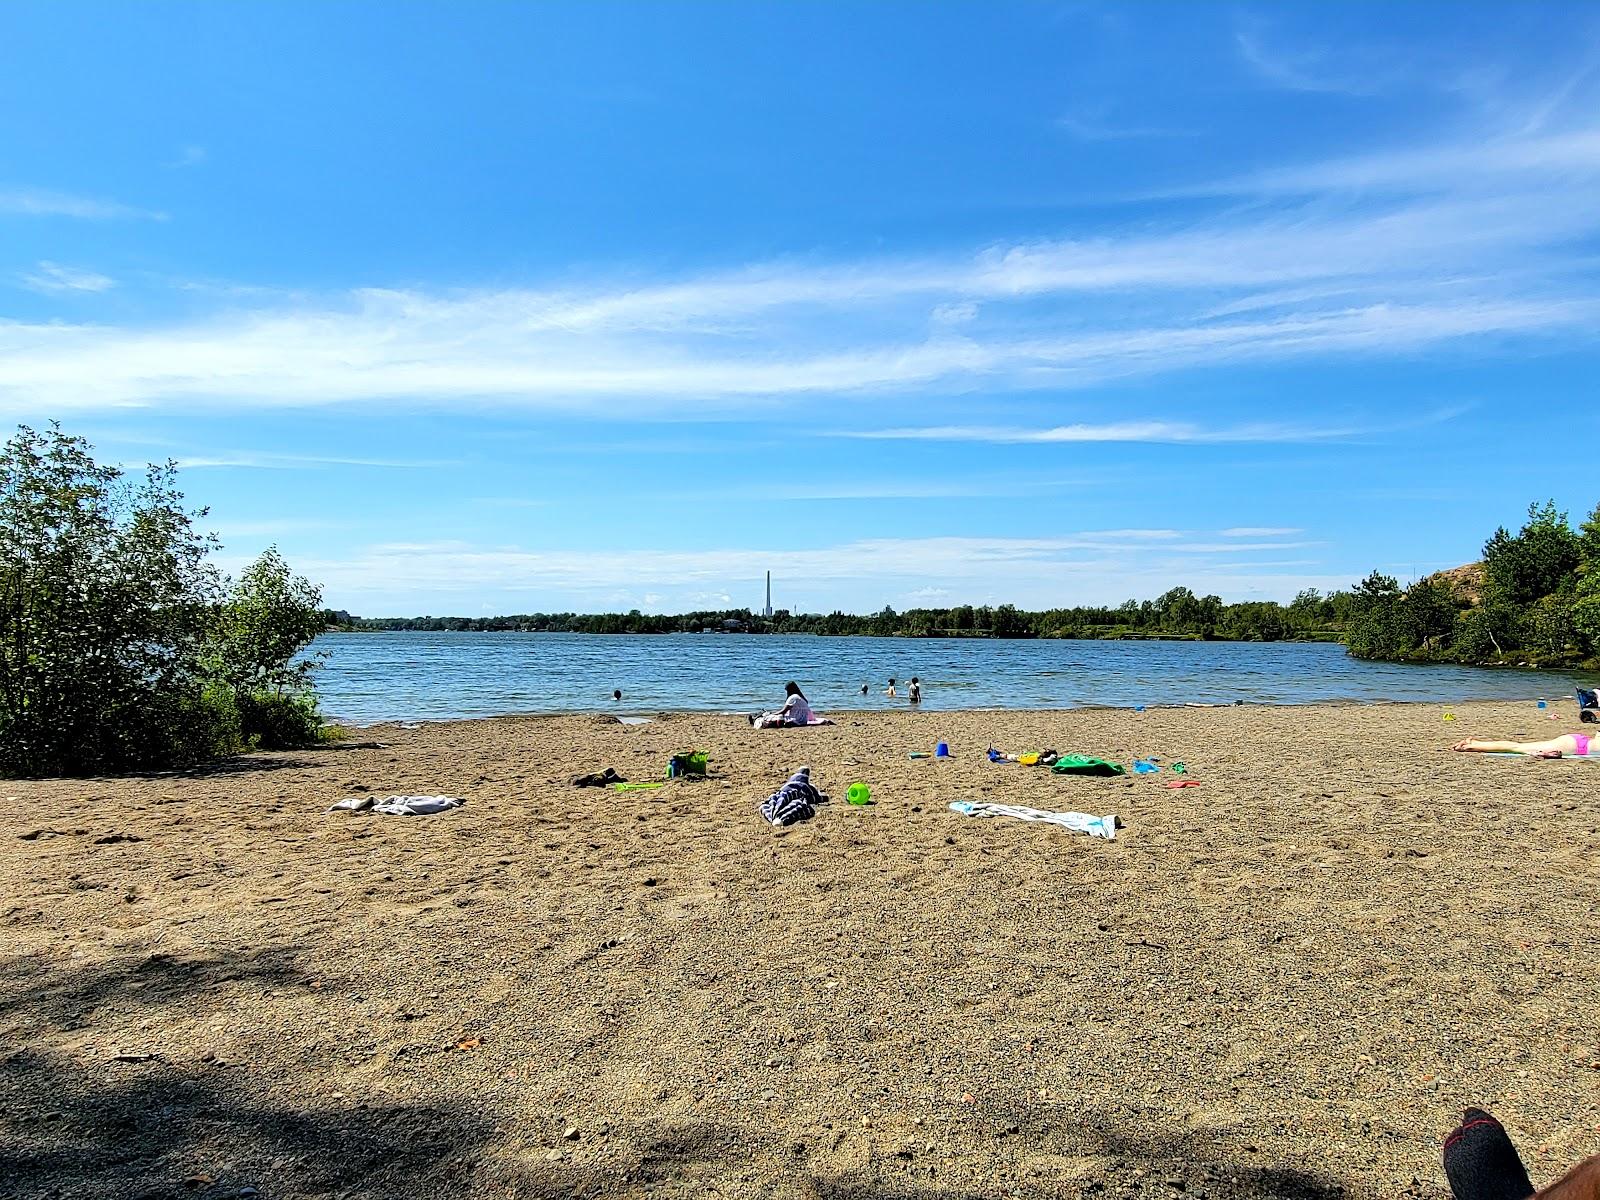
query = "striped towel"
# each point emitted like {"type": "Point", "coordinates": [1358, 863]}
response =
{"type": "Point", "coordinates": [796, 800]}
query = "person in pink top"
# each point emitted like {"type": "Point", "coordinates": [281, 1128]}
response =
{"type": "Point", "coordinates": [1568, 745]}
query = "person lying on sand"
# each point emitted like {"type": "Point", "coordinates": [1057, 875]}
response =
{"type": "Point", "coordinates": [1575, 745]}
{"type": "Point", "coordinates": [796, 710]}
{"type": "Point", "coordinates": [1482, 1164]}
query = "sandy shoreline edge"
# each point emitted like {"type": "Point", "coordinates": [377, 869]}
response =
{"type": "Point", "coordinates": [665, 713]}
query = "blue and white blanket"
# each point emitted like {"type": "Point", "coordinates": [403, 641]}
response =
{"type": "Point", "coordinates": [796, 800]}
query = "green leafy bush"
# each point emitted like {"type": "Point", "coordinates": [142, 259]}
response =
{"type": "Point", "coordinates": [1540, 602]}
{"type": "Point", "coordinates": [121, 645]}
{"type": "Point", "coordinates": [280, 721]}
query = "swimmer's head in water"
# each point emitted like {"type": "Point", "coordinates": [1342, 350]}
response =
{"type": "Point", "coordinates": [617, 695]}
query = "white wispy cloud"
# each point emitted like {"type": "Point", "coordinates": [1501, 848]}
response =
{"type": "Point", "coordinates": [1477, 165]}
{"type": "Point", "coordinates": [188, 156]}
{"type": "Point", "coordinates": [1172, 432]}
{"type": "Point", "coordinates": [1311, 68]}
{"type": "Point", "coordinates": [1467, 244]}
{"type": "Point", "coordinates": [1080, 567]}
{"type": "Point", "coordinates": [39, 202]}
{"type": "Point", "coordinates": [373, 353]}
{"type": "Point", "coordinates": [1159, 432]}
{"type": "Point", "coordinates": [1094, 125]}
{"type": "Point", "coordinates": [54, 278]}
{"type": "Point", "coordinates": [1260, 531]}
{"type": "Point", "coordinates": [293, 462]}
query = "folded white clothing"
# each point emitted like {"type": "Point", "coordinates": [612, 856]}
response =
{"type": "Point", "coordinates": [1100, 827]}
{"type": "Point", "coordinates": [416, 806]}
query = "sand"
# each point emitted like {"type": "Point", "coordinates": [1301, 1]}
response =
{"type": "Point", "coordinates": [1285, 982]}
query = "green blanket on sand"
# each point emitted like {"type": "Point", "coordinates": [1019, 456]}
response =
{"type": "Point", "coordinates": [1083, 764]}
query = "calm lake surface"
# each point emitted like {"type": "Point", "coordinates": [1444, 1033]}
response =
{"type": "Point", "coordinates": [421, 676]}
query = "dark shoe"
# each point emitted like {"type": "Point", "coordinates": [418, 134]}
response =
{"type": "Point", "coordinates": [1481, 1163]}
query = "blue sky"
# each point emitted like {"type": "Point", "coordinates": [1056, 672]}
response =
{"type": "Point", "coordinates": [504, 308]}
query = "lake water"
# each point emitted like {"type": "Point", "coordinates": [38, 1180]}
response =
{"type": "Point", "coordinates": [421, 676]}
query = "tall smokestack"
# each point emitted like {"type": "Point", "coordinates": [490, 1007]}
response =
{"type": "Point", "coordinates": [769, 594]}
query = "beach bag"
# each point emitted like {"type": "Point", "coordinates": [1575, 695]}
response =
{"type": "Point", "coordinates": [689, 762]}
{"type": "Point", "coordinates": [1083, 764]}
{"type": "Point", "coordinates": [1588, 705]}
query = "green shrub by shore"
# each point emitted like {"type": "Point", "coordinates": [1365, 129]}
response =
{"type": "Point", "coordinates": [1533, 601]}
{"type": "Point", "coordinates": [121, 646]}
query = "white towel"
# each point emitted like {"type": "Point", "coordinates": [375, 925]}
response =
{"type": "Point", "coordinates": [1100, 827]}
{"type": "Point", "coordinates": [416, 806]}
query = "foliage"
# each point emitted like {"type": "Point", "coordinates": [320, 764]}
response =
{"type": "Point", "coordinates": [269, 617]}
{"type": "Point", "coordinates": [276, 721]}
{"type": "Point", "coordinates": [109, 619]}
{"type": "Point", "coordinates": [1178, 614]}
{"type": "Point", "coordinates": [104, 599]}
{"type": "Point", "coordinates": [1537, 561]}
{"type": "Point", "coordinates": [1540, 603]}
{"type": "Point", "coordinates": [1374, 630]}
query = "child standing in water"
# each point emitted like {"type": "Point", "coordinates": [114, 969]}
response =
{"type": "Point", "coordinates": [889, 691]}
{"type": "Point", "coordinates": [915, 691]}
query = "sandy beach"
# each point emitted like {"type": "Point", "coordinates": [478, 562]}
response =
{"type": "Point", "coordinates": [1287, 981]}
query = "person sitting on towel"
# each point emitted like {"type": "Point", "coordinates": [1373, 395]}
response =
{"type": "Point", "coordinates": [796, 710]}
{"type": "Point", "coordinates": [1575, 745]}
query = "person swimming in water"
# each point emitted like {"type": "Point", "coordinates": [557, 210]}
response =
{"type": "Point", "coordinates": [617, 695]}
{"type": "Point", "coordinates": [914, 693]}
{"type": "Point", "coordinates": [863, 689]}
{"type": "Point", "coordinates": [889, 691]}
{"type": "Point", "coordinates": [1568, 745]}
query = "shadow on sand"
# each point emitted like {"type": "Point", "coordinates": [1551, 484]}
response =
{"type": "Point", "coordinates": [91, 1125]}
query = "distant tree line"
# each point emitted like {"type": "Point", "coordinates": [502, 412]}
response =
{"type": "Point", "coordinates": [1178, 613]}
{"type": "Point", "coordinates": [1535, 599]}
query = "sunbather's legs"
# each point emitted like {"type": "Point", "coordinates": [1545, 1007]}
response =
{"type": "Point", "coordinates": [1565, 744]}
{"type": "Point", "coordinates": [1580, 1183]}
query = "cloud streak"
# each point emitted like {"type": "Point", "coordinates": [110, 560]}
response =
{"type": "Point", "coordinates": [1390, 254]}
{"type": "Point", "coordinates": [39, 202]}
{"type": "Point", "coordinates": [297, 462]}
{"type": "Point", "coordinates": [1073, 568]}
{"type": "Point", "coordinates": [1167, 432]}
{"type": "Point", "coordinates": [55, 279]}
{"type": "Point", "coordinates": [1176, 433]}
